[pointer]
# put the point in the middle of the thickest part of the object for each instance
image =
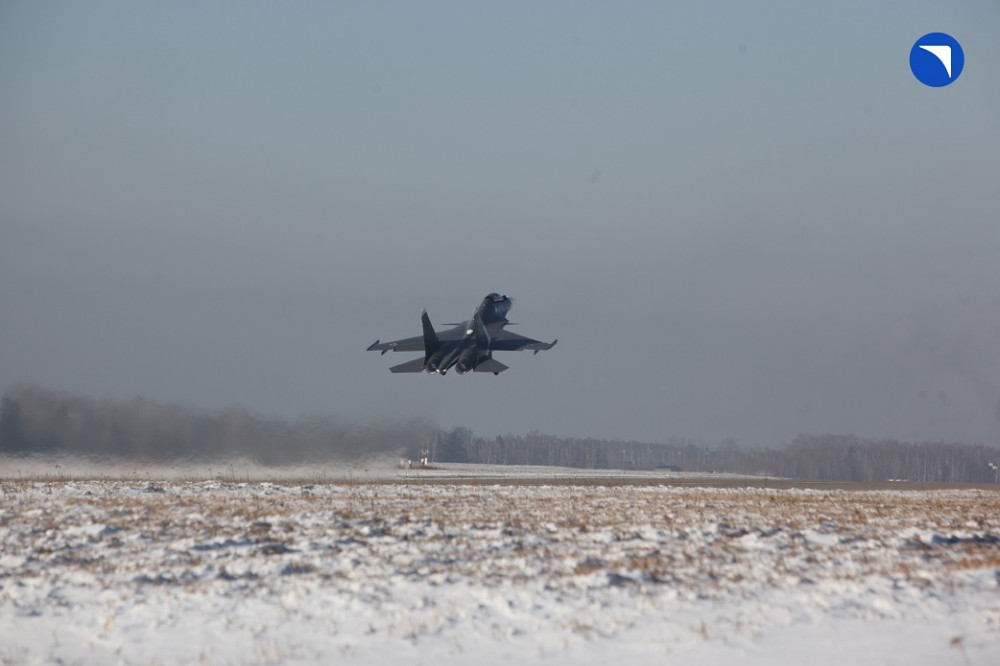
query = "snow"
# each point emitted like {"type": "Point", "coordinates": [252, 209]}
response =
{"type": "Point", "coordinates": [137, 571]}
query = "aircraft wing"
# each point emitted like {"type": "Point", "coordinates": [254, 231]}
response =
{"type": "Point", "coordinates": [504, 340]}
{"type": "Point", "coordinates": [406, 344]}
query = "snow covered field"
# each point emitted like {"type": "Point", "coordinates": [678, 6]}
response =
{"type": "Point", "coordinates": [171, 571]}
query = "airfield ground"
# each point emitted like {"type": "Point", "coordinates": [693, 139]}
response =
{"type": "Point", "coordinates": [491, 565]}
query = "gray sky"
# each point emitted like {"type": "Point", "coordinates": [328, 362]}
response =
{"type": "Point", "coordinates": [740, 219]}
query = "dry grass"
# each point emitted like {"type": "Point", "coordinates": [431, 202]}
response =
{"type": "Point", "coordinates": [710, 541]}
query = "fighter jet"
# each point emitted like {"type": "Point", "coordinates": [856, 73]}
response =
{"type": "Point", "coordinates": [468, 346]}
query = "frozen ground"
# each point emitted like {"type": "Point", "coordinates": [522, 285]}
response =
{"type": "Point", "coordinates": [169, 571]}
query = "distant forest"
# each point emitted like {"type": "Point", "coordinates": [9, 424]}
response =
{"type": "Point", "coordinates": [35, 420]}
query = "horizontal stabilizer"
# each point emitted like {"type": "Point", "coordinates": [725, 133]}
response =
{"type": "Point", "coordinates": [491, 365]}
{"type": "Point", "coordinates": [416, 365]}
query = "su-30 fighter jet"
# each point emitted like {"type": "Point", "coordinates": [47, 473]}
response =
{"type": "Point", "coordinates": [467, 346]}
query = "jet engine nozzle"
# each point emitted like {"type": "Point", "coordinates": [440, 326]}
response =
{"type": "Point", "coordinates": [434, 362]}
{"type": "Point", "coordinates": [467, 361]}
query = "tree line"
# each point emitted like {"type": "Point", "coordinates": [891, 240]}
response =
{"type": "Point", "coordinates": [816, 457]}
{"type": "Point", "coordinates": [37, 420]}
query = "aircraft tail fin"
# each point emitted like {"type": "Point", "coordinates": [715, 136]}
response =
{"type": "Point", "coordinates": [431, 342]}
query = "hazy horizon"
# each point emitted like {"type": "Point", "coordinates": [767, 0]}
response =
{"type": "Point", "coordinates": [740, 221]}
